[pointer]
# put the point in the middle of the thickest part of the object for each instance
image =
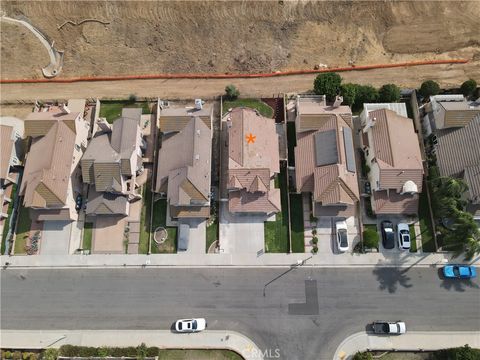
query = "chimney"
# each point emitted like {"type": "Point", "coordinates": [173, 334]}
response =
{"type": "Point", "coordinates": [370, 123]}
{"type": "Point", "coordinates": [198, 104]}
{"type": "Point", "coordinates": [103, 125]}
{"type": "Point", "coordinates": [338, 101]}
{"type": "Point", "coordinates": [64, 109]}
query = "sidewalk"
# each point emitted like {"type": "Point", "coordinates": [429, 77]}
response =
{"type": "Point", "coordinates": [165, 339]}
{"type": "Point", "coordinates": [411, 341]}
{"type": "Point", "coordinates": [399, 260]}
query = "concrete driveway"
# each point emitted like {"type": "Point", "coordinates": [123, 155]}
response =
{"type": "Point", "coordinates": [327, 243]}
{"type": "Point", "coordinates": [55, 238]}
{"type": "Point", "coordinates": [198, 236]}
{"type": "Point", "coordinates": [241, 233]}
{"type": "Point", "coordinates": [108, 235]}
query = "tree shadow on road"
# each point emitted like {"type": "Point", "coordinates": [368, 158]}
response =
{"type": "Point", "coordinates": [459, 285]}
{"type": "Point", "coordinates": [391, 278]}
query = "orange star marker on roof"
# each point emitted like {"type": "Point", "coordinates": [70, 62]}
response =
{"type": "Point", "coordinates": [250, 138]}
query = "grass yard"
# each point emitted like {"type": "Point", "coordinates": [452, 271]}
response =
{"type": "Point", "coordinates": [159, 220]}
{"type": "Point", "coordinates": [292, 142]}
{"type": "Point", "coordinates": [112, 110]}
{"type": "Point", "coordinates": [212, 234]}
{"type": "Point", "coordinates": [87, 236]}
{"type": "Point", "coordinates": [262, 108]}
{"type": "Point", "coordinates": [413, 242]}
{"type": "Point", "coordinates": [145, 219]}
{"type": "Point", "coordinates": [370, 236]}
{"type": "Point", "coordinates": [296, 208]}
{"type": "Point", "coordinates": [23, 228]}
{"type": "Point", "coordinates": [276, 232]}
{"type": "Point", "coordinates": [428, 243]}
{"type": "Point", "coordinates": [177, 354]}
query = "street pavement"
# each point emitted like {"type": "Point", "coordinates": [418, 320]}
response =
{"type": "Point", "coordinates": [303, 312]}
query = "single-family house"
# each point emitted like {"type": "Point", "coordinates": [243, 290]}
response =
{"type": "Point", "coordinates": [184, 170]}
{"type": "Point", "coordinates": [111, 163]}
{"type": "Point", "coordinates": [449, 111]}
{"type": "Point", "coordinates": [458, 156]}
{"type": "Point", "coordinates": [392, 153]}
{"type": "Point", "coordinates": [324, 156]}
{"type": "Point", "coordinates": [11, 155]}
{"type": "Point", "coordinates": [51, 178]}
{"type": "Point", "coordinates": [253, 162]}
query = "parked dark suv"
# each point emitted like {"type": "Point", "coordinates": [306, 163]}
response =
{"type": "Point", "coordinates": [388, 235]}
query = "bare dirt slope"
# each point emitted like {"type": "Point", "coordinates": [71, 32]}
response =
{"type": "Point", "coordinates": [251, 36]}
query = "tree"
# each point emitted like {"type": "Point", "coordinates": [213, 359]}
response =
{"type": "Point", "coordinates": [389, 93]}
{"type": "Point", "coordinates": [327, 84]}
{"type": "Point", "coordinates": [429, 88]}
{"type": "Point", "coordinates": [231, 92]}
{"type": "Point", "coordinates": [362, 356]}
{"type": "Point", "coordinates": [365, 94]}
{"type": "Point", "coordinates": [468, 87]}
{"type": "Point", "coordinates": [349, 92]}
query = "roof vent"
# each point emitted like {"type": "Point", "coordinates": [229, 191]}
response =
{"type": "Point", "coordinates": [197, 157]}
{"type": "Point", "coordinates": [198, 132]}
{"type": "Point", "coordinates": [338, 101]}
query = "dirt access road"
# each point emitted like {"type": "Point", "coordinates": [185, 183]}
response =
{"type": "Point", "coordinates": [412, 77]}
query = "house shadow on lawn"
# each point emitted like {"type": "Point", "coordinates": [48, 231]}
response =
{"type": "Point", "coordinates": [459, 285]}
{"type": "Point", "coordinates": [390, 278]}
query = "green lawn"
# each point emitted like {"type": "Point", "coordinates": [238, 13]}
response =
{"type": "Point", "coordinates": [370, 236]}
{"type": "Point", "coordinates": [296, 219]}
{"type": "Point", "coordinates": [428, 243]}
{"type": "Point", "coordinates": [87, 236]}
{"type": "Point", "coordinates": [292, 142]}
{"type": "Point", "coordinates": [413, 246]}
{"type": "Point", "coordinates": [159, 219]}
{"type": "Point", "coordinates": [23, 228]}
{"type": "Point", "coordinates": [262, 108]}
{"type": "Point", "coordinates": [112, 110]}
{"type": "Point", "coordinates": [145, 219]}
{"type": "Point", "coordinates": [276, 232]}
{"type": "Point", "coordinates": [6, 222]}
{"type": "Point", "coordinates": [212, 234]}
{"type": "Point", "coordinates": [177, 354]}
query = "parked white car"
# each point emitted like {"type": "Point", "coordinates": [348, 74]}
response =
{"type": "Point", "coordinates": [190, 325]}
{"type": "Point", "coordinates": [342, 235]}
{"type": "Point", "coordinates": [403, 236]}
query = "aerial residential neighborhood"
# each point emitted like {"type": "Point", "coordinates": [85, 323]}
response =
{"type": "Point", "coordinates": [173, 197]}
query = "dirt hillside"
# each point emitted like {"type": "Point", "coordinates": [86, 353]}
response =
{"type": "Point", "coordinates": [248, 36]}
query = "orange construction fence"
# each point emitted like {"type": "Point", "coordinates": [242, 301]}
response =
{"type": "Point", "coordinates": [231, 76]}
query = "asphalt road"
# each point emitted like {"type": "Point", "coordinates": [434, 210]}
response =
{"type": "Point", "coordinates": [305, 312]}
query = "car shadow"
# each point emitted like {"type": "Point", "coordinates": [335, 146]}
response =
{"type": "Point", "coordinates": [459, 285]}
{"type": "Point", "coordinates": [391, 278]}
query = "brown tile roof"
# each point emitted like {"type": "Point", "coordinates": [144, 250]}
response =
{"type": "Point", "coordinates": [48, 167]}
{"type": "Point", "coordinates": [101, 203]}
{"type": "Point", "coordinates": [7, 144]}
{"type": "Point", "coordinates": [458, 151]}
{"type": "Point", "coordinates": [314, 113]}
{"type": "Point", "coordinates": [396, 149]}
{"type": "Point", "coordinates": [256, 202]}
{"type": "Point", "coordinates": [262, 153]}
{"type": "Point", "coordinates": [393, 203]}
{"type": "Point", "coordinates": [330, 183]}
{"type": "Point", "coordinates": [253, 159]}
{"type": "Point", "coordinates": [184, 160]}
{"type": "Point", "coordinates": [190, 212]}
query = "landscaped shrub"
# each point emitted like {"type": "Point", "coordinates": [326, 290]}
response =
{"type": "Point", "coordinates": [17, 355]}
{"type": "Point", "coordinates": [370, 238]}
{"type": "Point", "coordinates": [132, 98]}
{"type": "Point", "coordinates": [468, 87]}
{"type": "Point", "coordinates": [362, 356]}
{"type": "Point", "coordinates": [365, 94]}
{"type": "Point", "coordinates": [429, 88]}
{"type": "Point", "coordinates": [314, 231]}
{"type": "Point", "coordinates": [314, 250]}
{"type": "Point", "coordinates": [327, 84]}
{"type": "Point", "coordinates": [315, 240]}
{"type": "Point", "coordinates": [231, 92]}
{"type": "Point", "coordinates": [349, 93]}
{"type": "Point", "coordinates": [460, 353]}
{"type": "Point", "coordinates": [50, 354]}
{"type": "Point", "coordinates": [389, 93]}
{"type": "Point", "coordinates": [7, 355]}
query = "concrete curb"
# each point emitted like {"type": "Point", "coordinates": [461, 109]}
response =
{"type": "Point", "coordinates": [411, 341]}
{"type": "Point", "coordinates": [164, 339]}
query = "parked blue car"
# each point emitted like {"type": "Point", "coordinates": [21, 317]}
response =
{"type": "Point", "coordinates": [459, 271]}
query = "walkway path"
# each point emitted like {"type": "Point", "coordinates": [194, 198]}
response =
{"type": "Point", "coordinates": [398, 260]}
{"type": "Point", "coordinates": [209, 339]}
{"type": "Point", "coordinates": [56, 57]}
{"type": "Point", "coordinates": [411, 341]}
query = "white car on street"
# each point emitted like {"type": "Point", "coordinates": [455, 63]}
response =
{"type": "Point", "coordinates": [342, 235]}
{"type": "Point", "coordinates": [403, 236]}
{"type": "Point", "coordinates": [190, 325]}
